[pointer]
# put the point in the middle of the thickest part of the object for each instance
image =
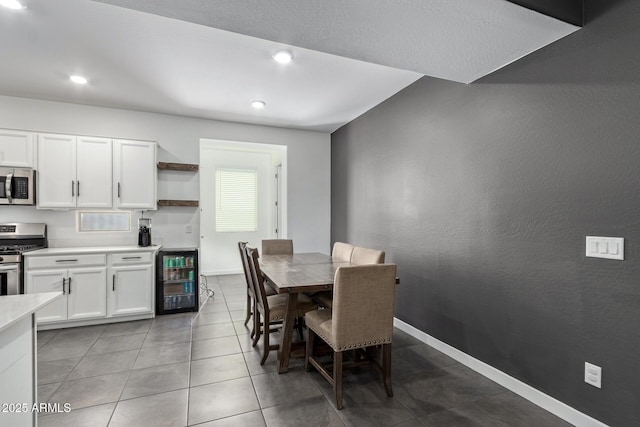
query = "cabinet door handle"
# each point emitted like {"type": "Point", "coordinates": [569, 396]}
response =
{"type": "Point", "coordinates": [64, 282]}
{"type": "Point", "coordinates": [131, 257]}
{"type": "Point", "coordinates": [113, 283]}
{"type": "Point", "coordinates": [69, 285]}
{"type": "Point", "coordinates": [66, 260]}
{"type": "Point", "coordinates": [78, 190]}
{"type": "Point", "coordinates": [73, 189]}
{"type": "Point", "coordinates": [118, 190]}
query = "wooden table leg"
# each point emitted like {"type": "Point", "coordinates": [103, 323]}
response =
{"type": "Point", "coordinates": [287, 333]}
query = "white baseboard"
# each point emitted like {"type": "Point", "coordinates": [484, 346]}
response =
{"type": "Point", "coordinates": [220, 272]}
{"type": "Point", "coordinates": [533, 395]}
{"type": "Point", "coordinates": [90, 322]}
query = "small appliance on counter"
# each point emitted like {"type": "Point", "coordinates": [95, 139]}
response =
{"type": "Point", "coordinates": [177, 281]}
{"type": "Point", "coordinates": [144, 231]}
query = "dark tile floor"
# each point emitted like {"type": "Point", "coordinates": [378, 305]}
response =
{"type": "Point", "coordinates": [181, 370]}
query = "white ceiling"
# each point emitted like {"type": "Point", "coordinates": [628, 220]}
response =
{"type": "Point", "coordinates": [144, 61]}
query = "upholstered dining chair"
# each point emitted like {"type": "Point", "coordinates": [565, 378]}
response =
{"type": "Point", "coordinates": [251, 297]}
{"type": "Point", "coordinates": [359, 256]}
{"type": "Point", "coordinates": [366, 256]}
{"type": "Point", "coordinates": [362, 316]}
{"type": "Point", "coordinates": [277, 247]}
{"type": "Point", "coordinates": [272, 308]}
{"type": "Point", "coordinates": [341, 253]}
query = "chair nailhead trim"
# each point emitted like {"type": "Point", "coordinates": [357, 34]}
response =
{"type": "Point", "coordinates": [365, 344]}
{"type": "Point", "coordinates": [354, 346]}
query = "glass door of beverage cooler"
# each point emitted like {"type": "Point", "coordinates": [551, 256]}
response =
{"type": "Point", "coordinates": [177, 281]}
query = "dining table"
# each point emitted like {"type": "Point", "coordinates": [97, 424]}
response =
{"type": "Point", "coordinates": [292, 275]}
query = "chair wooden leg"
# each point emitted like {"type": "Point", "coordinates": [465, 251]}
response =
{"type": "Point", "coordinates": [265, 343]}
{"type": "Point", "coordinates": [246, 319]}
{"type": "Point", "coordinates": [256, 327]}
{"type": "Point", "coordinates": [254, 324]}
{"type": "Point", "coordinates": [300, 331]}
{"type": "Point", "coordinates": [337, 377]}
{"type": "Point", "coordinates": [386, 368]}
{"type": "Point", "coordinates": [309, 352]}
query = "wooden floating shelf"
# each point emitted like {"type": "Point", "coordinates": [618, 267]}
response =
{"type": "Point", "coordinates": [187, 167]}
{"type": "Point", "coordinates": [193, 203]}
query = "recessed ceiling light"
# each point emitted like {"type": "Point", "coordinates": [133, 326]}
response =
{"type": "Point", "coordinates": [283, 56]}
{"type": "Point", "coordinates": [11, 4]}
{"type": "Point", "coordinates": [258, 105]}
{"type": "Point", "coordinates": [78, 80]}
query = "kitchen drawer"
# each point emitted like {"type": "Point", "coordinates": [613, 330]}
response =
{"type": "Point", "coordinates": [131, 258]}
{"type": "Point", "coordinates": [66, 261]}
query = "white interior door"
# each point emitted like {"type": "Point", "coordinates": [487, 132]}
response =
{"type": "Point", "coordinates": [219, 249]}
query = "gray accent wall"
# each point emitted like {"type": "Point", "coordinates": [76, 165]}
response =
{"type": "Point", "coordinates": [483, 195]}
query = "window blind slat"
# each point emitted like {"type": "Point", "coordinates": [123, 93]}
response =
{"type": "Point", "coordinates": [236, 200]}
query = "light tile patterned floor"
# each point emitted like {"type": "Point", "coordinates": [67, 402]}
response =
{"type": "Point", "coordinates": [183, 370]}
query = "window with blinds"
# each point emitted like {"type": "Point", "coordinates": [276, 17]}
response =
{"type": "Point", "coordinates": [236, 200]}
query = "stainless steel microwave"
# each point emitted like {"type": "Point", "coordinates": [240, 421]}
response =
{"type": "Point", "coordinates": [17, 186]}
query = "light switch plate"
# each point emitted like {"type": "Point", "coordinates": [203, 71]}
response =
{"type": "Point", "coordinates": [593, 374]}
{"type": "Point", "coordinates": [605, 247]}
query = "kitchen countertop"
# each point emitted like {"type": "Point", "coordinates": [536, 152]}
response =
{"type": "Point", "coordinates": [14, 308]}
{"type": "Point", "coordinates": [91, 250]}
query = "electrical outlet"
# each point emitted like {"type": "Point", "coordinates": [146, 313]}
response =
{"type": "Point", "coordinates": [593, 374]}
{"type": "Point", "coordinates": [188, 229]}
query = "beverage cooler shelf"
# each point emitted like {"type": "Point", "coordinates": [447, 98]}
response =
{"type": "Point", "coordinates": [179, 302]}
{"type": "Point", "coordinates": [176, 274]}
{"type": "Point", "coordinates": [178, 282]}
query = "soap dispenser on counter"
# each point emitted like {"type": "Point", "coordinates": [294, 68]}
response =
{"type": "Point", "coordinates": [144, 231]}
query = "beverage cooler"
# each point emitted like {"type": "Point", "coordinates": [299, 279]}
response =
{"type": "Point", "coordinates": [177, 281]}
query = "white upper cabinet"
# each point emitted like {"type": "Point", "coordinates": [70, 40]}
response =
{"type": "Point", "coordinates": [56, 171]}
{"type": "Point", "coordinates": [74, 171]}
{"type": "Point", "coordinates": [134, 173]}
{"type": "Point", "coordinates": [93, 173]}
{"type": "Point", "coordinates": [16, 148]}
{"type": "Point", "coordinates": [87, 172]}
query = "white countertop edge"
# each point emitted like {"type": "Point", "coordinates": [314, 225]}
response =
{"type": "Point", "coordinates": [91, 250]}
{"type": "Point", "coordinates": [14, 308]}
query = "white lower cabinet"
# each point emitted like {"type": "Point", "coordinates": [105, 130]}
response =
{"type": "Point", "coordinates": [48, 281]}
{"type": "Point", "coordinates": [86, 293]}
{"type": "Point", "coordinates": [84, 288]}
{"type": "Point", "coordinates": [17, 379]}
{"type": "Point", "coordinates": [96, 286]}
{"type": "Point", "coordinates": [130, 291]}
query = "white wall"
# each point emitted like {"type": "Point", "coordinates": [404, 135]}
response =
{"type": "Point", "coordinates": [309, 180]}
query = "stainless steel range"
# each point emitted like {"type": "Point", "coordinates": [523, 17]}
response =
{"type": "Point", "coordinates": [15, 239]}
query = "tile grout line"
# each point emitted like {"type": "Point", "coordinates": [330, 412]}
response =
{"type": "Point", "coordinates": [77, 363]}
{"type": "Point", "coordinates": [191, 357]}
{"type": "Point", "coordinates": [255, 392]}
{"type": "Point", "coordinates": [72, 369]}
{"type": "Point", "coordinates": [128, 376]}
